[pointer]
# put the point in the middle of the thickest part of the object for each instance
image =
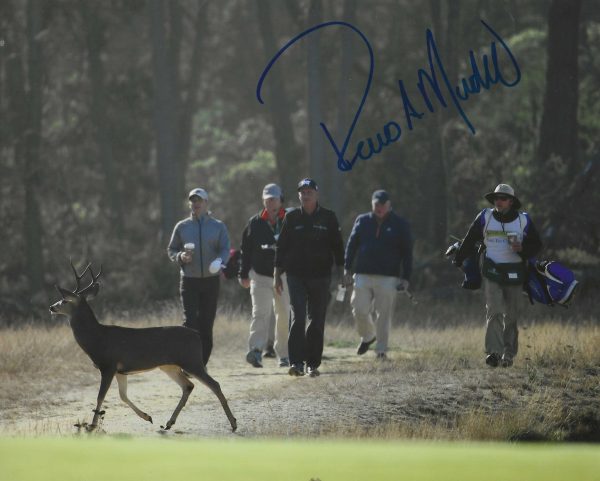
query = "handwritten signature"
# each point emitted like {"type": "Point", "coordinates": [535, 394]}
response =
{"type": "Point", "coordinates": [435, 77]}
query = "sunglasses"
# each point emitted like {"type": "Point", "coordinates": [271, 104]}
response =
{"type": "Point", "coordinates": [501, 197]}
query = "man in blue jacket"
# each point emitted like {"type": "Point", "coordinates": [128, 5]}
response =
{"type": "Point", "coordinates": [379, 253]}
{"type": "Point", "coordinates": [195, 244]}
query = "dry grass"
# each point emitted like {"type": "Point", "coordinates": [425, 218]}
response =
{"type": "Point", "coordinates": [434, 387]}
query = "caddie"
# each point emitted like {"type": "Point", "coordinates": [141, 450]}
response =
{"type": "Point", "coordinates": [510, 238]}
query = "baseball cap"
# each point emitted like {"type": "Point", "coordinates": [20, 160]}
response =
{"type": "Point", "coordinates": [198, 192]}
{"type": "Point", "coordinates": [307, 183]}
{"type": "Point", "coordinates": [380, 196]}
{"type": "Point", "coordinates": [271, 190]}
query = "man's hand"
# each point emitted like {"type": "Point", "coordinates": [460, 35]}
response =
{"type": "Point", "coordinates": [185, 257]}
{"type": "Point", "coordinates": [458, 264]}
{"type": "Point", "coordinates": [277, 282]}
{"type": "Point", "coordinates": [347, 281]}
{"type": "Point", "coordinates": [245, 283]}
{"type": "Point", "coordinates": [403, 285]}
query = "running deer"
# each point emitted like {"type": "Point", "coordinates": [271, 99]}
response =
{"type": "Point", "coordinates": [120, 351]}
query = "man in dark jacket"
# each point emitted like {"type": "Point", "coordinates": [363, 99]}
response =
{"type": "Point", "coordinates": [510, 238]}
{"type": "Point", "coordinates": [256, 272]}
{"type": "Point", "coordinates": [379, 253]}
{"type": "Point", "coordinates": [309, 244]}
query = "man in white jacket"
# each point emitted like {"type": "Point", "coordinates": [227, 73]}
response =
{"type": "Point", "coordinates": [510, 239]}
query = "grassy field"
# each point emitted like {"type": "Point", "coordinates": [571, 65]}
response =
{"type": "Point", "coordinates": [106, 459]}
{"type": "Point", "coordinates": [435, 386]}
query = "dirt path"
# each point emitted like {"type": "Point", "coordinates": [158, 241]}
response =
{"type": "Point", "coordinates": [352, 396]}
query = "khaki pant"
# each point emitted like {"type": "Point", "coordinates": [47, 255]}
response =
{"type": "Point", "coordinates": [265, 299]}
{"type": "Point", "coordinates": [373, 301]}
{"type": "Point", "coordinates": [503, 305]}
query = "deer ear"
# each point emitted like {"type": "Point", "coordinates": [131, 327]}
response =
{"type": "Point", "coordinates": [67, 295]}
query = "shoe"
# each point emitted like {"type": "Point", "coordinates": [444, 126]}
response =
{"type": "Point", "coordinates": [492, 360]}
{"type": "Point", "coordinates": [313, 372]}
{"type": "Point", "coordinates": [364, 347]}
{"type": "Point", "coordinates": [381, 356]}
{"type": "Point", "coordinates": [284, 362]}
{"type": "Point", "coordinates": [507, 360]}
{"type": "Point", "coordinates": [296, 370]}
{"type": "Point", "coordinates": [269, 351]}
{"type": "Point", "coordinates": [253, 357]}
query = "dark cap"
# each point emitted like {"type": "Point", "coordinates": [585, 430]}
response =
{"type": "Point", "coordinates": [380, 196]}
{"type": "Point", "coordinates": [307, 183]}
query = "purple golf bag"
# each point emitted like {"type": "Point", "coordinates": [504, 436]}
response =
{"type": "Point", "coordinates": [550, 283]}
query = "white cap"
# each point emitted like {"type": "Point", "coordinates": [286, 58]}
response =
{"type": "Point", "coordinates": [198, 192]}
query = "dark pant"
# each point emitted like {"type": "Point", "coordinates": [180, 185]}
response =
{"type": "Point", "coordinates": [307, 296]}
{"type": "Point", "coordinates": [199, 299]}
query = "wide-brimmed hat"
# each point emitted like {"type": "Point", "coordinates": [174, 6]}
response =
{"type": "Point", "coordinates": [503, 189]}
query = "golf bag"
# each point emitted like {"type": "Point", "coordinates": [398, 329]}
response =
{"type": "Point", "coordinates": [470, 267]}
{"type": "Point", "coordinates": [550, 283]}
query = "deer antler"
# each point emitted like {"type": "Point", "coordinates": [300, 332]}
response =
{"type": "Point", "coordinates": [78, 277]}
{"type": "Point", "coordinates": [92, 285]}
{"type": "Point", "coordinates": [95, 277]}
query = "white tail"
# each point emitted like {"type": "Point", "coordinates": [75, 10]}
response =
{"type": "Point", "coordinates": [119, 351]}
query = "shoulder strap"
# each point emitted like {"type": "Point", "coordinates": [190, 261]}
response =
{"type": "Point", "coordinates": [523, 222]}
{"type": "Point", "coordinates": [487, 217]}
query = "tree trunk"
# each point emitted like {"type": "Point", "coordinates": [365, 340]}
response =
{"type": "Point", "coordinates": [32, 173]}
{"type": "Point", "coordinates": [165, 121]}
{"type": "Point", "coordinates": [95, 43]}
{"type": "Point", "coordinates": [559, 127]}
{"type": "Point", "coordinates": [437, 182]}
{"type": "Point", "coordinates": [558, 145]}
{"type": "Point", "coordinates": [338, 178]}
{"type": "Point", "coordinates": [315, 115]}
{"type": "Point", "coordinates": [287, 151]}
{"type": "Point", "coordinates": [190, 105]}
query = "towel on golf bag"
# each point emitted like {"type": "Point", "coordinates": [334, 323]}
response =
{"type": "Point", "coordinates": [550, 283]}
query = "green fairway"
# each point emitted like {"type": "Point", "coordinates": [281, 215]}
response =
{"type": "Point", "coordinates": [105, 458]}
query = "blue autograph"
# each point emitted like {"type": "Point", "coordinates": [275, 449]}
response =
{"type": "Point", "coordinates": [392, 131]}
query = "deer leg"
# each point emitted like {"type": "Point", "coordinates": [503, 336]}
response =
{"type": "Point", "coordinates": [186, 388]}
{"type": "Point", "coordinates": [204, 378]}
{"type": "Point", "coordinates": [122, 380]}
{"type": "Point", "coordinates": [107, 377]}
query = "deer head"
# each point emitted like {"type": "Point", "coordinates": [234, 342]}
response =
{"type": "Point", "coordinates": [71, 299]}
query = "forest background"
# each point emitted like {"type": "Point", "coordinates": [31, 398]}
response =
{"type": "Point", "coordinates": [111, 111]}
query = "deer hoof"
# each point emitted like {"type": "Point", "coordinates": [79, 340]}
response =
{"type": "Point", "coordinates": [233, 426]}
{"type": "Point", "coordinates": [150, 419]}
